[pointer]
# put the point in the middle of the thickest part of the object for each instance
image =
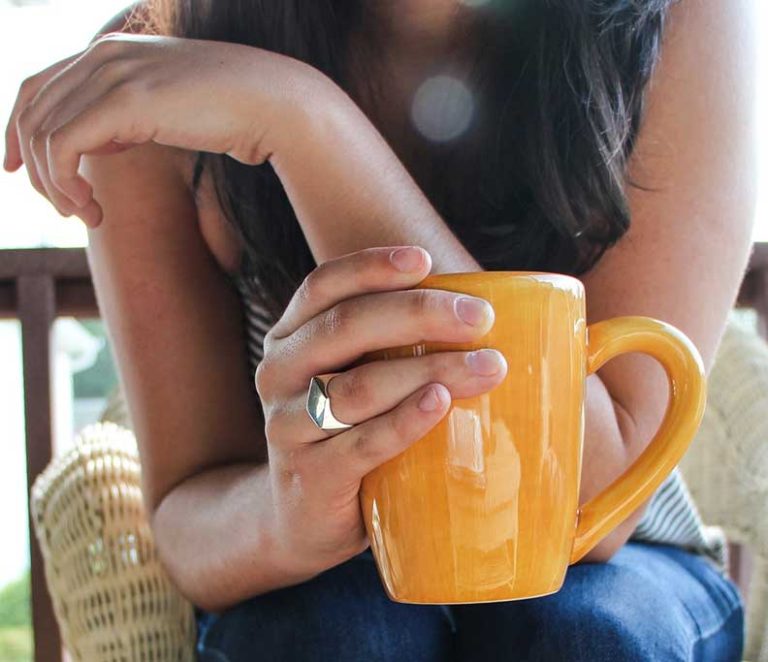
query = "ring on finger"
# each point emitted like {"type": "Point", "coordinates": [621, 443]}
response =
{"type": "Point", "coordinates": [319, 404]}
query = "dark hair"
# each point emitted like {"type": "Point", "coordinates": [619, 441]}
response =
{"type": "Point", "coordinates": [537, 181]}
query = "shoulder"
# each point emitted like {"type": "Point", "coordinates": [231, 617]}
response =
{"type": "Point", "coordinates": [692, 176]}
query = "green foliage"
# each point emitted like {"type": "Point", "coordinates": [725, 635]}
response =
{"type": "Point", "coordinates": [15, 620]}
{"type": "Point", "coordinates": [14, 604]}
{"type": "Point", "coordinates": [98, 380]}
{"type": "Point", "coordinates": [16, 644]}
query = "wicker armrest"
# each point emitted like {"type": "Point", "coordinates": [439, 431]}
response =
{"type": "Point", "coordinates": [726, 467]}
{"type": "Point", "coordinates": [112, 598]}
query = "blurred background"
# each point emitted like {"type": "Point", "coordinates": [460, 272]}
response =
{"type": "Point", "coordinates": [33, 35]}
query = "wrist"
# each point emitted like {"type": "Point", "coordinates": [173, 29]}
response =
{"type": "Point", "coordinates": [322, 125]}
{"type": "Point", "coordinates": [286, 558]}
{"type": "Point", "coordinates": [292, 552]}
{"type": "Point", "coordinates": [307, 101]}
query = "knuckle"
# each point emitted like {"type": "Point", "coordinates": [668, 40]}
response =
{"type": "Point", "coordinates": [262, 377]}
{"type": "Point", "coordinates": [37, 141]}
{"type": "Point", "coordinates": [111, 71]}
{"type": "Point", "coordinates": [364, 447]}
{"type": "Point", "coordinates": [353, 387]}
{"type": "Point", "coordinates": [130, 91]}
{"type": "Point", "coordinates": [24, 120]}
{"type": "Point", "coordinates": [442, 368]}
{"type": "Point", "coordinates": [313, 286]}
{"type": "Point", "coordinates": [275, 424]}
{"type": "Point", "coordinates": [338, 318]}
{"type": "Point", "coordinates": [269, 341]}
{"type": "Point", "coordinates": [420, 303]}
{"type": "Point", "coordinates": [271, 426]}
{"type": "Point", "coordinates": [29, 86]}
{"type": "Point", "coordinates": [398, 424]}
{"type": "Point", "coordinates": [57, 140]}
{"type": "Point", "coordinates": [108, 44]}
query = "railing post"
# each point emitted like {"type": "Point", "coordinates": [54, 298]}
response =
{"type": "Point", "coordinates": [36, 298]}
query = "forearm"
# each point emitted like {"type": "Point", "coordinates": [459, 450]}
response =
{"type": "Point", "coordinates": [609, 448]}
{"type": "Point", "coordinates": [350, 191]}
{"type": "Point", "coordinates": [213, 533]}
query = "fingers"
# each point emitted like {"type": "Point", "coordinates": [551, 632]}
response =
{"type": "Point", "coordinates": [367, 270]}
{"type": "Point", "coordinates": [54, 99]}
{"type": "Point", "coordinates": [28, 90]}
{"type": "Point", "coordinates": [358, 451]}
{"type": "Point", "coordinates": [374, 388]}
{"type": "Point", "coordinates": [106, 120]}
{"type": "Point", "coordinates": [61, 100]}
{"type": "Point", "coordinates": [338, 336]}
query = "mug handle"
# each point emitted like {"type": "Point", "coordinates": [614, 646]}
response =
{"type": "Point", "coordinates": [687, 398]}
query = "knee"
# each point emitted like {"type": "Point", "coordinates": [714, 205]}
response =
{"type": "Point", "coordinates": [577, 629]}
{"type": "Point", "coordinates": [608, 619]}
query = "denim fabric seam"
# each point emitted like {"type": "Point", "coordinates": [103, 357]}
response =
{"type": "Point", "coordinates": [715, 629]}
{"type": "Point", "coordinates": [734, 612]}
{"type": "Point", "coordinates": [712, 631]}
{"type": "Point", "coordinates": [446, 609]}
{"type": "Point", "coordinates": [204, 621]}
{"type": "Point", "coordinates": [210, 650]}
{"type": "Point", "coordinates": [734, 604]}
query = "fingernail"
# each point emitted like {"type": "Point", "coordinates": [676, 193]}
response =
{"type": "Point", "coordinates": [485, 361]}
{"type": "Point", "coordinates": [410, 258]}
{"type": "Point", "coordinates": [472, 310]}
{"type": "Point", "coordinates": [431, 400]}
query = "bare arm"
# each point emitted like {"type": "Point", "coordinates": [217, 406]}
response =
{"type": "Point", "coordinates": [681, 261]}
{"type": "Point", "coordinates": [176, 330]}
{"type": "Point", "coordinates": [160, 263]}
{"type": "Point", "coordinates": [175, 327]}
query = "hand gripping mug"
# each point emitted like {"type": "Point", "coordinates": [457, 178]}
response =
{"type": "Point", "coordinates": [485, 506]}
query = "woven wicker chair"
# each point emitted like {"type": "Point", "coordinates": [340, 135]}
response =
{"type": "Point", "coordinates": [726, 468]}
{"type": "Point", "coordinates": [111, 596]}
{"type": "Point", "coordinates": [113, 600]}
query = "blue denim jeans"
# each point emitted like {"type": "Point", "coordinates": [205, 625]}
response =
{"type": "Point", "coordinates": [648, 603]}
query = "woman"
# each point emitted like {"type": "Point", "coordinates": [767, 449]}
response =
{"type": "Point", "coordinates": [381, 141]}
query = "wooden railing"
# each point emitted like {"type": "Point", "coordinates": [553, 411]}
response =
{"type": "Point", "coordinates": [39, 285]}
{"type": "Point", "coordinates": [36, 287]}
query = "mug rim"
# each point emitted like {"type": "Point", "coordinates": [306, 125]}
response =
{"type": "Point", "coordinates": [501, 273]}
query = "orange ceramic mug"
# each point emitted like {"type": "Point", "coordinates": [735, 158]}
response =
{"type": "Point", "coordinates": [485, 506]}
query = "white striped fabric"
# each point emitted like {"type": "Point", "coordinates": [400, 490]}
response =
{"type": "Point", "coordinates": [671, 516]}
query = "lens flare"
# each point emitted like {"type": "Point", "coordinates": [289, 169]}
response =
{"type": "Point", "coordinates": [442, 108]}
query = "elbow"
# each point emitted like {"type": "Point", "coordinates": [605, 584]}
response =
{"type": "Point", "coordinates": [194, 574]}
{"type": "Point", "coordinates": [178, 564]}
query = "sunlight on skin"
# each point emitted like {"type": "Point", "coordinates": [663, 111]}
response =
{"type": "Point", "coordinates": [35, 36]}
